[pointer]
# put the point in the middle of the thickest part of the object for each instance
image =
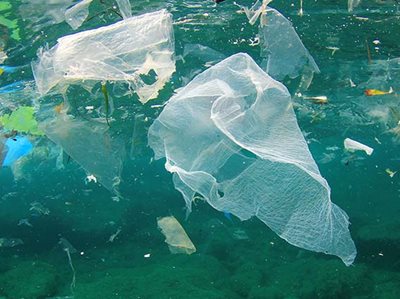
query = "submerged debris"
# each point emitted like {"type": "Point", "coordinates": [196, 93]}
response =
{"type": "Point", "coordinates": [352, 145]}
{"type": "Point", "coordinates": [176, 237]}
{"type": "Point", "coordinates": [123, 51]}
{"type": "Point", "coordinates": [10, 242]}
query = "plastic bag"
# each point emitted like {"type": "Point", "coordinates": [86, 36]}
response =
{"type": "Point", "coordinates": [231, 136]}
{"type": "Point", "coordinates": [124, 51]}
{"type": "Point", "coordinates": [284, 52]}
{"type": "Point", "coordinates": [90, 144]}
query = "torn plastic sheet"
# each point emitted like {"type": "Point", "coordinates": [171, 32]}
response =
{"type": "Point", "coordinates": [78, 13]}
{"type": "Point", "coordinates": [282, 48]}
{"type": "Point", "coordinates": [232, 137]}
{"type": "Point", "coordinates": [284, 52]}
{"type": "Point", "coordinates": [124, 51]}
{"type": "Point", "coordinates": [90, 144]}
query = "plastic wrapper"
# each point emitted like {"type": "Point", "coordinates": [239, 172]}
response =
{"type": "Point", "coordinates": [126, 51]}
{"type": "Point", "coordinates": [232, 137]}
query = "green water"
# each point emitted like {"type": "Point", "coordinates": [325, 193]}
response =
{"type": "Point", "coordinates": [234, 259]}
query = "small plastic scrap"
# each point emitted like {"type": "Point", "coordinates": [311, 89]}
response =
{"type": "Point", "coordinates": [90, 178]}
{"type": "Point", "coordinates": [3, 56]}
{"type": "Point", "coordinates": [114, 235]}
{"type": "Point", "coordinates": [352, 145]}
{"type": "Point", "coordinates": [39, 208]}
{"type": "Point", "coordinates": [17, 147]}
{"type": "Point", "coordinates": [77, 14]}
{"type": "Point", "coordinates": [391, 173]}
{"type": "Point", "coordinates": [377, 92]}
{"type": "Point", "coordinates": [176, 237]}
{"type": "Point", "coordinates": [316, 99]}
{"type": "Point", "coordinates": [4, 242]}
{"type": "Point", "coordinates": [125, 51]}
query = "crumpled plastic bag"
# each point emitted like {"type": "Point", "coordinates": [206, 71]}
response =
{"type": "Point", "coordinates": [125, 51]}
{"type": "Point", "coordinates": [232, 137]}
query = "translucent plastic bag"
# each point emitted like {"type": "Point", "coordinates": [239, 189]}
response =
{"type": "Point", "coordinates": [231, 136]}
{"type": "Point", "coordinates": [125, 51]}
{"type": "Point", "coordinates": [90, 144]}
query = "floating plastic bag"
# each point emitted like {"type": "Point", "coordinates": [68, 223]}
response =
{"type": "Point", "coordinates": [16, 147]}
{"type": "Point", "coordinates": [124, 51]}
{"type": "Point", "coordinates": [176, 237]}
{"type": "Point", "coordinates": [231, 136]}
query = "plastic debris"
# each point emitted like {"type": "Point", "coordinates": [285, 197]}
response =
{"type": "Point", "coordinates": [3, 56]}
{"type": "Point", "coordinates": [124, 51]}
{"type": "Point", "coordinates": [77, 14]}
{"type": "Point", "coordinates": [377, 92]}
{"type": "Point", "coordinates": [90, 178]}
{"type": "Point", "coordinates": [39, 208]}
{"type": "Point", "coordinates": [114, 235]}
{"type": "Point", "coordinates": [90, 144]}
{"type": "Point", "coordinates": [283, 50]}
{"type": "Point", "coordinates": [69, 249]}
{"type": "Point", "coordinates": [390, 172]}
{"type": "Point", "coordinates": [352, 146]}
{"type": "Point", "coordinates": [237, 143]}
{"type": "Point", "coordinates": [12, 242]}
{"type": "Point", "coordinates": [351, 4]}
{"type": "Point", "coordinates": [125, 8]}
{"type": "Point", "coordinates": [176, 237]}
{"type": "Point", "coordinates": [24, 221]}
{"type": "Point", "coordinates": [16, 148]}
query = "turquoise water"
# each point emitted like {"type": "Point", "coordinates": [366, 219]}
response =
{"type": "Point", "coordinates": [113, 244]}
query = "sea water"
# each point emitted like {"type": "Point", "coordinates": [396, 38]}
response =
{"type": "Point", "coordinates": [63, 235]}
